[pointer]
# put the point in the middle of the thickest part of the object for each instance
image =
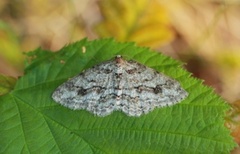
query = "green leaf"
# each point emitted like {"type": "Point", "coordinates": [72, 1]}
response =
{"type": "Point", "coordinates": [31, 122]}
{"type": "Point", "coordinates": [7, 83]}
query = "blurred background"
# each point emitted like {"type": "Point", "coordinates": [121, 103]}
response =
{"type": "Point", "coordinates": [204, 34]}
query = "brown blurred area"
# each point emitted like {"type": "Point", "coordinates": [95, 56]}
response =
{"type": "Point", "coordinates": [204, 34]}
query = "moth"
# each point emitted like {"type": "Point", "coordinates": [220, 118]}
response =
{"type": "Point", "coordinates": [119, 85]}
